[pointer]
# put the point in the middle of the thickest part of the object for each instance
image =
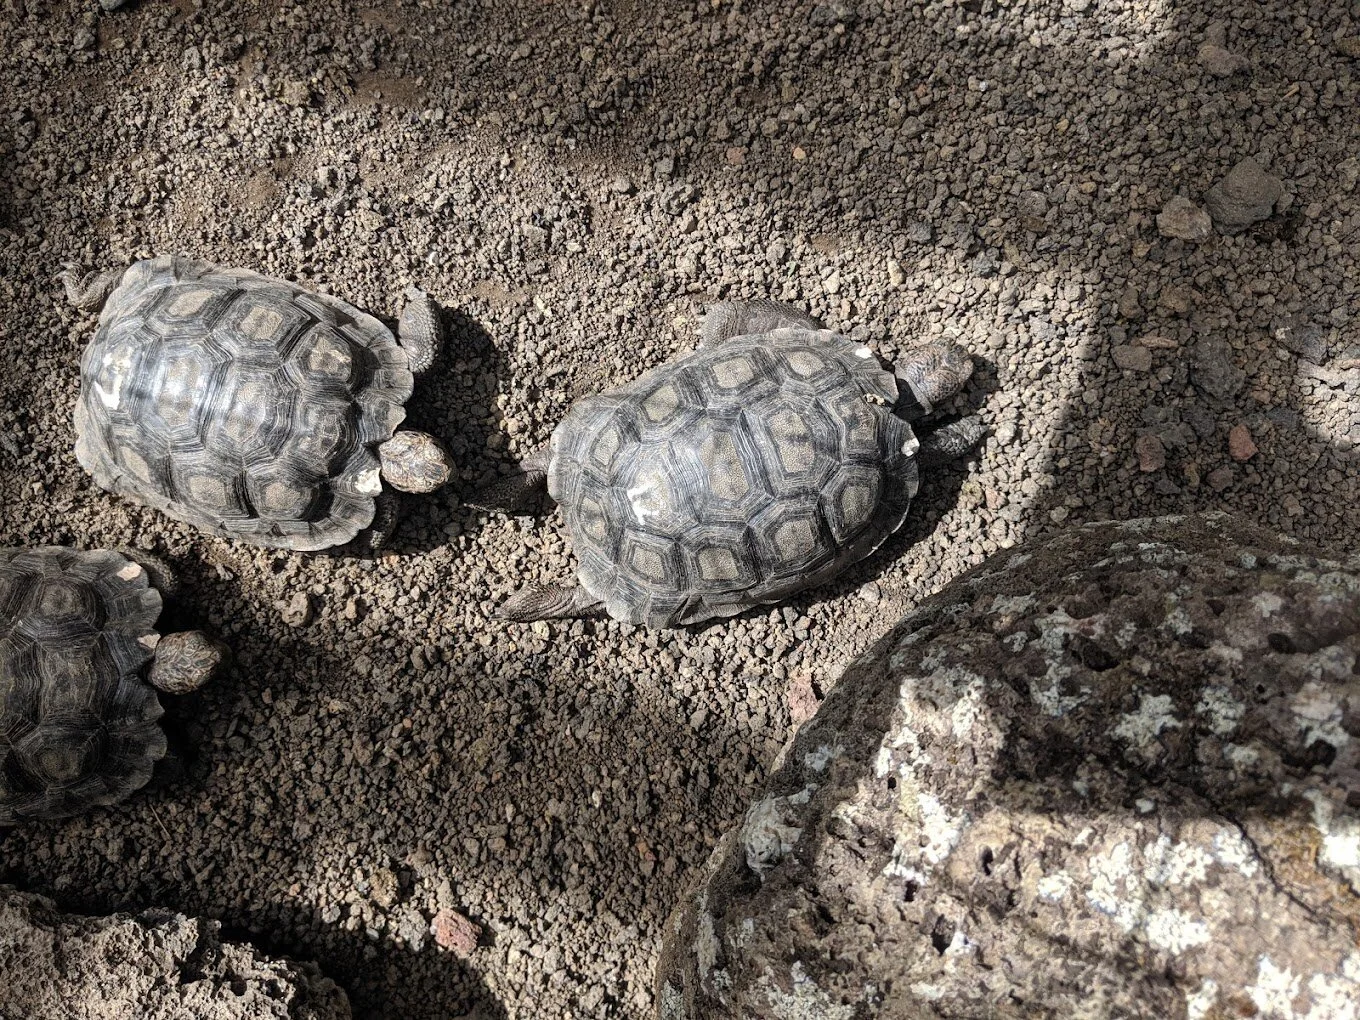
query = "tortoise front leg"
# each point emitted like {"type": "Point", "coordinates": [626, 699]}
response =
{"type": "Point", "coordinates": [548, 602]}
{"type": "Point", "coordinates": [949, 442]}
{"type": "Point", "coordinates": [728, 319]}
{"type": "Point", "coordinates": [386, 510]}
{"type": "Point", "coordinates": [513, 493]}
{"type": "Point", "coordinates": [419, 331]}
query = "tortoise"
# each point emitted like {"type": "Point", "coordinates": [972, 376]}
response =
{"type": "Point", "coordinates": [762, 463]}
{"type": "Point", "coordinates": [250, 407]}
{"type": "Point", "coordinates": [80, 664]}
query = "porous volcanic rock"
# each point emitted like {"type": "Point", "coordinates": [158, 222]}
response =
{"type": "Point", "coordinates": [1109, 773]}
{"type": "Point", "coordinates": [148, 966]}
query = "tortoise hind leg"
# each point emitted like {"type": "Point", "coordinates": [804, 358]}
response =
{"type": "Point", "coordinates": [548, 602]}
{"type": "Point", "coordinates": [515, 491]}
{"type": "Point", "coordinates": [89, 291]}
{"type": "Point", "coordinates": [949, 442]}
{"type": "Point", "coordinates": [727, 319]}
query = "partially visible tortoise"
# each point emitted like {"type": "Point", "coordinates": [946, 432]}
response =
{"type": "Point", "coordinates": [764, 462]}
{"type": "Point", "coordinates": [250, 407]}
{"type": "Point", "coordinates": [79, 658]}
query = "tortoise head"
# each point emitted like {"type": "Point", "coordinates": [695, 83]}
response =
{"type": "Point", "coordinates": [186, 661]}
{"type": "Point", "coordinates": [934, 373]}
{"type": "Point", "coordinates": [415, 462]}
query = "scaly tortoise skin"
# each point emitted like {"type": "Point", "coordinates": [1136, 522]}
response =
{"type": "Point", "coordinates": [79, 654]}
{"type": "Point", "coordinates": [248, 406]}
{"type": "Point", "coordinates": [763, 463]}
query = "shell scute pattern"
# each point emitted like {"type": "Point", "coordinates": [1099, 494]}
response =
{"type": "Point", "coordinates": [241, 404]}
{"type": "Point", "coordinates": [732, 475]}
{"type": "Point", "coordinates": [78, 727]}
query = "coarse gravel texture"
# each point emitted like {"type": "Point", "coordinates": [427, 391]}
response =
{"type": "Point", "coordinates": [573, 183]}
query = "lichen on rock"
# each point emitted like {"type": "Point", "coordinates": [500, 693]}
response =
{"type": "Point", "coordinates": [1110, 773]}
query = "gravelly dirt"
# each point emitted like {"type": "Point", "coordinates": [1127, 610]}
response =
{"type": "Point", "coordinates": [573, 183]}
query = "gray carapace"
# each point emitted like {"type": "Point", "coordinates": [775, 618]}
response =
{"type": "Point", "coordinates": [764, 462]}
{"type": "Point", "coordinates": [250, 407]}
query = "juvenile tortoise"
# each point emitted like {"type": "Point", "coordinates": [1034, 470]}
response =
{"type": "Point", "coordinates": [250, 407]}
{"type": "Point", "coordinates": [79, 658]}
{"type": "Point", "coordinates": [764, 462]}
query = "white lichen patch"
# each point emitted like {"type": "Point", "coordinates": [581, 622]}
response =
{"type": "Point", "coordinates": [745, 932]}
{"type": "Point", "coordinates": [1174, 931]}
{"type": "Point", "coordinates": [1240, 756]}
{"type": "Point", "coordinates": [1046, 692]}
{"type": "Point", "coordinates": [926, 841]}
{"type": "Point", "coordinates": [1054, 887]}
{"type": "Point", "coordinates": [1274, 989]}
{"type": "Point", "coordinates": [1219, 710]}
{"type": "Point", "coordinates": [1139, 728]}
{"type": "Point", "coordinates": [1112, 882]}
{"type": "Point", "coordinates": [1159, 554]}
{"type": "Point", "coordinates": [1125, 635]}
{"type": "Point", "coordinates": [960, 945]}
{"type": "Point", "coordinates": [969, 706]}
{"type": "Point", "coordinates": [1231, 850]}
{"type": "Point", "coordinates": [1267, 603]}
{"type": "Point", "coordinates": [1340, 581]}
{"type": "Point", "coordinates": [769, 832]}
{"type": "Point", "coordinates": [806, 1001]}
{"type": "Point", "coordinates": [1226, 654]}
{"type": "Point", "coordinates": [1015, 642]}
{"type": "Point", "coordinates": [1170, 863]}
{"type": "Point", "coordinates": [1340, 836]}
{"type": "Point", "coordinates": [940, 829]}
{"type": "Point", "coordinates": [1318, 711]}
{"type": "Point", "coordinates": [1335, 996]}
{"type": "Point", "coordinates": [1124, 891]}
{"type": "Point", "coordinates": [1052, 701]}
{"type": "Point", "coordinates": [818, 758]}
{"type": "Point", "coordinates": [672, 1003]}
{"type": "Point", "coordinates": [1012, 604]}
{"type": "Point", "coordinates": [1199, 1002]}
{"type": "Point", "coordinates": [1177, 620]}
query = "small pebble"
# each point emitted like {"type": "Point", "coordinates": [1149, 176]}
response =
{"type": "Point", "coordinates": [1151, 453]}
{"type": "Point", "coordinates": [1220, 478]}
{"type": "Point", "coordinates": [456, 933]}
{"type": "Point", "coordinates": [1240, 444]}
{"type": "Point", "coordinates": [1132, 357]}
{"type": "Point", "coordinates": [1181, 218]}
{"type": "Point", "coordinates": [297, 611]}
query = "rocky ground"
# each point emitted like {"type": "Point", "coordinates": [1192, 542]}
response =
{"type": "Point", "coordinates": [457, 817]}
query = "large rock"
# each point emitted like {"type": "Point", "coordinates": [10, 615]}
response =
{"type": "Point", "coordinates": [148, 966]}
{"type": "Point", "coordinates": [1110, 774]}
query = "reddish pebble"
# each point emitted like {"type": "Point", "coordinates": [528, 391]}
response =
{"type": "Point", "coordinates": [454, 932]}
{"type": "Point", "coordinates": [736, 155]}
{"type": "Point", "coordinates": [1220, 478]}
{"type": "Point", "coordinates": [1240, 444]}
{"type": "Point", "coordinates": [1151, 453]}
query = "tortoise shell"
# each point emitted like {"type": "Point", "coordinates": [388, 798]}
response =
{"type": "Point", "coordinates": [732, 476]}
{"type": "Point", "coordinates": [78, 725]}
{"type": "Point", "coordinates": [241, 404]}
